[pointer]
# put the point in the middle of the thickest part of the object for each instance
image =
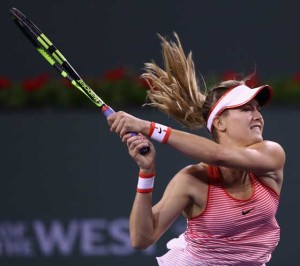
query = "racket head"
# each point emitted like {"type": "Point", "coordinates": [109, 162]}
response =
{"type": "Point", "coordinates": [47, 49]}
{"type": "Point", "coordinates": [54, 57]}
{"type": "Point", "coordinates": [26, 26]}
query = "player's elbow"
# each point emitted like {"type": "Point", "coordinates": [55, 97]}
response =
{"type": "Point", "coordinates": [140, 241]}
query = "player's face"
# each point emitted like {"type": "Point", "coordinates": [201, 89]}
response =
{"type": "Point", "coordinates": [244, 125]}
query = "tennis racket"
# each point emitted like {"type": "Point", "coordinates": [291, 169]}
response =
{"type": "Point", "coordinates": [56, 59]}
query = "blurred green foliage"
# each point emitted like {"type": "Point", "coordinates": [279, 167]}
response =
{"type": "Point", "coordinates": [118, 88]}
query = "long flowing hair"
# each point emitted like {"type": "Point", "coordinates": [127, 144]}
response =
{"type": "Point", "coordinates": [175, 89]}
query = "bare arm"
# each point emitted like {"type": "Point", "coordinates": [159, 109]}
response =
{"type": "Point", "coordinates": [148, 223]}
{"type": "Point", "coordinates": [260, 158]}
{"type": "Point", "coordinates": [263, 159]}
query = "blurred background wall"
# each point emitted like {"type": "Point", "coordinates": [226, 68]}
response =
{"type": "Point", "coordinates": [67, 183]}
{"type": "Point", "coordinates": [99, 35]}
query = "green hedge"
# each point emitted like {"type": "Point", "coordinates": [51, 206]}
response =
{"type": "Point", "coordinates": [117, 88]}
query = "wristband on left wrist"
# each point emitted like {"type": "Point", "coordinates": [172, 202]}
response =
{"type": "Point", "coordinates": [145, 182]}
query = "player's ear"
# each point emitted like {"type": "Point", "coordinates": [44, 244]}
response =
{"type": "Point", "coordinates": [219, 124]}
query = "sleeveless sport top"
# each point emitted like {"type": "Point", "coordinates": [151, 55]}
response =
{"type": "Point", "coordinates": [229, 231]}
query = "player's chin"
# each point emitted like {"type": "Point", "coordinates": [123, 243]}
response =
{"type": "Point", "coordinates": [256, 138]}
{"type": "Point", "coordinates": [256, 133]}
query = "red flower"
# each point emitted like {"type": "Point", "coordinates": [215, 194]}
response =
{"type": "Point", "coordinates": [67, 83]}
{"type": "Point", "coordinates": [4, 82]}
{"type": "Point", "coordinates": [115, 74]}
{"type": "Point", "coordinates": [229, 75]}
{"type": "Point", "coordinates": [297, 77]}
{"type": "Point", "coordinates": [253, 81]}
{"type": "Point", "coordinates": [145, 83]}
{"type": "Point", "coordinates": [36, 83]}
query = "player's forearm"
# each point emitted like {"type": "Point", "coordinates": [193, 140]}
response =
{"type": "Point", "coordinates": [194, 146]}
{"type": "Point", "coordinates": [141, 224]}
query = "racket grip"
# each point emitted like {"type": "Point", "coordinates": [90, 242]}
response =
{"type": "Point", "coordinates": [107, 111]}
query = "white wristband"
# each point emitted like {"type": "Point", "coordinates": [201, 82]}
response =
{"type": "Point", "coordinates": [145, 183]}
{"type": "Point", "coordinates": [159, 132]}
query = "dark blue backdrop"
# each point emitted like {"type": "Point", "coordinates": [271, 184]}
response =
{"type": "Point", "coordinates": [100, 35]}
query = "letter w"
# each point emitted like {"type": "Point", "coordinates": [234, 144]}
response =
{"type": "Point", "coordinates": [56, 236]}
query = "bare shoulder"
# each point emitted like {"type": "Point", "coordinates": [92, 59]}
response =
{"type": "Point", "coordinates": [272, 150]}
{"type": "Point", "coordinates": [275, 156]}
{"type": "Point", "coordinates": [195, 174]}
{"type": "Point", "coordinates": [195, 170]}
{"type": "Point", "coordinates": [269, 146]}
{"type": "Point", "coordinates": [193, 180]}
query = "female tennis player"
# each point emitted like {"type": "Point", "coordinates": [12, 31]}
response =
{"type": "Point", "coordinates": [231, 197]}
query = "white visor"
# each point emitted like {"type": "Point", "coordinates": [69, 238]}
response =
{"type": "Point", "coordinates": [236, 97]}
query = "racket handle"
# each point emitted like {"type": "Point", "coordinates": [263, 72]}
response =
{"type": "Point", "coordinates": [107, 111]}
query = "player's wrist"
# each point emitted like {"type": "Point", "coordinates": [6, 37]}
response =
{"type": "Point", "coordinates": [145, 182]}
{"type": "Point", "coordinates": [145, 127]}
{"type": "Point", "coordinates": [147, 171]}
{"type": "Point", "coordinates": [158, 132]}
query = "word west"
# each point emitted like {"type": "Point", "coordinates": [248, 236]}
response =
{"type": "Point", "coordinates": [83, 237]}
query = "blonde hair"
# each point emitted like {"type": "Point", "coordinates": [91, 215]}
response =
{"type": "Point", "coordinates": [175, 91]}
